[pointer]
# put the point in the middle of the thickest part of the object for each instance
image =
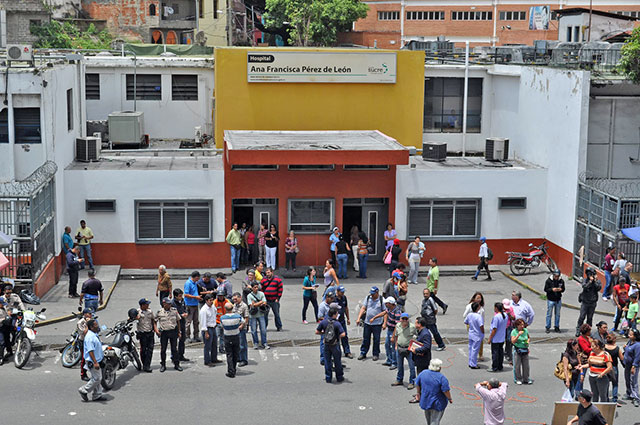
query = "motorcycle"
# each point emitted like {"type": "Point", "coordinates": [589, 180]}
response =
{"type": "Point", "coordinates": [72, 351]}
{"type": "Point", "coordinates": [522, 262]}
{"type": "Point", "coordinates": [25, 334]}
{"type": "Point", "coordinates": [119, 352]}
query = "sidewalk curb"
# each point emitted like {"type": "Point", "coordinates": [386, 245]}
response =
{"type": "Point", "coordinates": [71, 316]}
{"type": "Point", "coordinates": [535, 291]}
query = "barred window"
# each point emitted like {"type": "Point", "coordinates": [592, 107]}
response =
{"type": "Point", "coordinates": [177, 221]}
{"type": "Point", "coordinates": [184, 87]}
{"type": "Point", "coordinates": [427, 15]}
{"type": "Point", "coordinates": [435, 218]}
{"type": "Point", "coordinates": [513, 16]}
{"type": "Point", "coordinates": [26, 124]}
{"type": "Point", "coordinates": [389, 16]}
{"type": "Point", "coordinates": [148, 87]}
{"type": "Point", "coordinates": [472, 16]}
{"type": "Point", "coordinates": [92, 86]}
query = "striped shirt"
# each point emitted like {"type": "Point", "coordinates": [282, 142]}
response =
{"type": "Point", "coordinates": [393, 317]}
{"type": "Point", "coordinates": [598, 362]}
{"type": "Point", "coordinates": [231, 324]}
{"type": "Point", "coordinates": [272, 288]}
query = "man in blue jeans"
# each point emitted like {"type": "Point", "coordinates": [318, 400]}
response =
{"type": "Point", "coordinates": [332, 347]}
{"type": "Point", "coordinates": [609, 261]}
{"type": "Point", "coordinates": [91, 292]}
{"type": "Point", "coordinates": [405, 331]}
{"type": "Point", "coordinates": [554, 287]}
{"type": "Point", "coordinates": [371, 319]}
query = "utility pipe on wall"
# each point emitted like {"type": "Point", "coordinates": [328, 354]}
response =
{"type": "Point", "coordinates": [465, 98]}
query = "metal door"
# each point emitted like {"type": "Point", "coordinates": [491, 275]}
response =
{"type": "Point", "coordinates": [267, 214]}
{"type": "Point", "coordinates": [374, 219]}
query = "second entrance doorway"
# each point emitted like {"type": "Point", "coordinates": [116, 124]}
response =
{"type": "Point", "coordinates": [369, 215]}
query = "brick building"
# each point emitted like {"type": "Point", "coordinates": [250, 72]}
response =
{"type": "Point", "coordinates": [391, 24]}
{"type": "Point", "coordinates": [19, 16]}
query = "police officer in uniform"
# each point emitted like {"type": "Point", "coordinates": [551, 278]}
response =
{"type": "Point", "coordinates": [145, 334]}
{"type": "Point", "coordinates": [5, 319]}
{"type": "Point", "coordinates": [13, 301]}
{"type": "Point", "coordinates": [178, 303]}
{"type": "Point", "coordinates": [168, 329]}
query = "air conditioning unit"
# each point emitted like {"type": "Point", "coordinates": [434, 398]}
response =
{"type": "Point", "coordinates": [496, 149]}
{"type": "Point", "coordinates": [434, 151]}
{"type": "Point", "coordinates": [88, 149]}
{"type": "Point", "coordinates": [19, 53]}
{"type": "Point", "coordinates": [126, 127]}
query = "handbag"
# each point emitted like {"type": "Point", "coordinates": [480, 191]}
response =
{"type": "Point", "coordinates": [559, 371]}
{"type": "Point", "coordinates": [522, 351]}
{"type": "Point", "coordinates": [387, 257]}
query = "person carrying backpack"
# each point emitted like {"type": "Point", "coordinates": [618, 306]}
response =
{"type": "Point", "coordinates": [485, 255]}
{"type": "Point", "coordinates": [332, 331]}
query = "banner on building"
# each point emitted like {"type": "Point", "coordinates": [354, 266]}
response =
{"type": "Point", "coordinates": [539, 17]}
{"type": "Point", "coordinates": [321, 67]}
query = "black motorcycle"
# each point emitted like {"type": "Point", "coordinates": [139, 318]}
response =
{"type": "Point", "coordinates": [119, 352]}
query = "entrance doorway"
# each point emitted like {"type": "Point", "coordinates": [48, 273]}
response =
{"type": "Point", "coordinates": [370, 215]}
{"type": "Point", "coordinates": [255, 211]}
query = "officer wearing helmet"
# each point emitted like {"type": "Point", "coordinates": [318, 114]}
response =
{"type": "Point", "coordinates": [167, 327]}
{"type": "Point", "coordinates": [145, 333]}
{"type": "Point", "coordinates": [588, 298]}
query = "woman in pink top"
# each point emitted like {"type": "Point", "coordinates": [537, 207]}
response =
{"type": "Point", "coordinates": [261, 241]}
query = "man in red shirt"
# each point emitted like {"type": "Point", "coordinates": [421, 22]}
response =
{"type": "Point", "coordinates": [621, 298]}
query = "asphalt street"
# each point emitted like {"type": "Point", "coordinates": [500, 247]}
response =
{"type": "Point", "coordinates": [285, 384]}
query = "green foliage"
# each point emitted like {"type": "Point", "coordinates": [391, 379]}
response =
{"type": "Point", "coordinates": [630, 60]}
{"type": "Point", "coordinates": [57, 35]}
{"type": "Point", "coordinates": [314, 22]}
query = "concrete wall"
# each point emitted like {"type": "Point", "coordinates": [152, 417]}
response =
{"type": "Point", "coordinates": [603, 26]}
{"type": "Point", "coordinates": [163, 119]}
{"type": "Point", "coordinates": [128, 186]}
{"type": "Point", "coordinates": [126, 19]}
{"type": "Point", "coordinates": [553, 111]}
{"type": "Point", "coordinates": [213, 23]}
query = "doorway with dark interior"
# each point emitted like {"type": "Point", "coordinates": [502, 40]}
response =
{"type": "Point", "coordinates": [351, 216]}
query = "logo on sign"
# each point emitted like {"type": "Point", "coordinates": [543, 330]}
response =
{"type": "Point", "coordinates": [378, 69]}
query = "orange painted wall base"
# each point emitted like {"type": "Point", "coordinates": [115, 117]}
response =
{"type": "Point", "coordinates": [48, 278]}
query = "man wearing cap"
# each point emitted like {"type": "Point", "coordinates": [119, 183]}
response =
{"type": "Point", "coordinates": [344, 319]}
{"type": "Point", "coordinates": [371, 319]}
{"type": "Point", "coordinates": [332, 348]}
{"type": "Point", "coordinates": [391, 315]}
{"type": "Point", "coordinates": [588, 414]}
{"type": "Point", "coordinates": [334, 239]}
{"type": "Point", "coordinates": [483, 254]}
{"type": "Point", "coordinates": [493, 394]}
{"type": "Point", "coordinates": [191, 299]}
{"type": "Point", "coordinates": [73, 265]}
{"type": "Point", "coordinates": [231, 323]}
{"type": "Point", "coordinates": [323, 311]}
{"type": "Point", "coordinates": [404, 332]}
{"type": "Point", "coordinates": [554, 287]}
{"type": "Point", "coordinates": [145, 333]}
{"type": "Point", "coordinates": [224, 284]}
{"type": "Point", "coordinates": [389, 287]}
{"type": "Point", "coordinates": [209, 323]}
{"type": "Point", "coordinates": [91, 291]}
{"type": "Point", "coordinates": [219, 304]}
{"type": "Point", "coordinates": [241, 308]}
{"type": "Point", "coordinates": [168, 329]}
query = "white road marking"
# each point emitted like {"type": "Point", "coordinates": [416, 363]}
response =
{"type": "Point", "coordinates": [362, 407]}
{"type": "Point", "coordinates": [300, 367]}
{"type": "Point", "coordinates": [47, 371]}
{"type": "Point", "coordinates": [264, 356]}
{"type": "Point", "coordinates": [463, 352]}
{"type": "Point", "coordinates": [72, 413]}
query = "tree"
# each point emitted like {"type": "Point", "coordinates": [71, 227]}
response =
{"type": "Point", "coordinates": [630, 60]}
{"type": "Point", "coordinates": [314, 22]}
{"type": "Point", "coordinates": [56, 35]}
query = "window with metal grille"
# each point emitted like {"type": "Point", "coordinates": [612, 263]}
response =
{"type": "Point", "coordinates": [444, 99]}
{"type": "Point", "coordinates": [92, 86]}
{"type": "Point", "coordinates": [173, 221]}
{"type": "Point", "coordinates": [255, 167]}
{"type": "Point", "coordinates": [365, 167]}
{"type": "Point", "coordinates": [509, 15]}
{"type": "Point", "coordinates": [70, 109]}
{"type": "Point", "coordinates": [4, 126]}
{"type": "Point", "coordinates": [427, 15]}
{"type": "Point", "coordinates": [389, 16]}
{"type": "Point", "coordinates": [311, 215]}
{"type": "Point", "coordinates": [184, 87]}
{"type": "Point", "coordinates": [317, 167]}
{"type": "Point", "coordinates": [102, 205]}
{"type": "Point", "coordinates": [512, 203]}
{"type": "Point", "coordinates": [435, 218]}
{"type": "Point", "coordinates": [148, 87]}
{"type": "Point", "coordinates": [26, 123]}
{"type": "Point", "coordinates": [472, 16]}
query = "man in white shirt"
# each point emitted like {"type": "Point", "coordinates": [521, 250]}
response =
{"type": "Point", "coordinates": [521, 308]}
{"type": "Point", "coordinates": [483, 254]}
{"type": "Point", "coordinates": [207, 318]}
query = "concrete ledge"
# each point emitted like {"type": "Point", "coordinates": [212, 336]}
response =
{"type": "Point", "coordinates": [540, 293]}
{"type": "Point", "coordinates": [71, 316]}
